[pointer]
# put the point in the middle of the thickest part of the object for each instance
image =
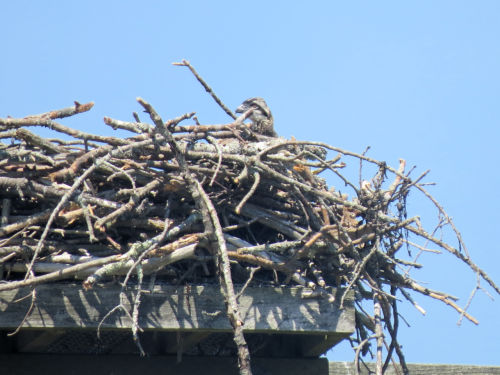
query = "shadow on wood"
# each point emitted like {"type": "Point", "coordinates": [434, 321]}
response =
{"type": "Point", "coordinates": [279, 322]}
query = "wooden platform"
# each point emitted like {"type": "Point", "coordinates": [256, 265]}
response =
{"type": "Point", "coordinates": [24, 364]}
{"type": "Point", "coordinates": [279, 322]}
{"type": "Point", "coordinates": [347, 368]}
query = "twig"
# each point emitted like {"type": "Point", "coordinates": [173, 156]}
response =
{"type": "Point", "coordinates": [256, 181]}
{"type": "Point", "coordinates": [219, 161]}
{"type": "Point", "coordinates": [28, 313]}
{"type": "Point", "coordinates": [206, 87]}
{"type": "Point", "coordinates": [58, 275]}
{"type": "Point", "coordinates": [378, 332]}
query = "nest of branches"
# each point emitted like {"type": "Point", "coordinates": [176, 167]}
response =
{"type": "Point", "coordinates": [201, 203]}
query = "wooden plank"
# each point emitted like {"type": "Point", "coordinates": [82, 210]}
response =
{"type": "Point", "coordinates": [347, 368]}
{"type": "Point", "coordinates": [200, 307]}
{"type": "Point", "coordinates": [23, 364]}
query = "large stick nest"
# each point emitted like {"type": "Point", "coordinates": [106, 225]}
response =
{"type": "Point", "coordinates": [97, 207]}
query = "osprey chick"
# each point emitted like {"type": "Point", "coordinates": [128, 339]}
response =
{"type": "Point", "coordinates": [262, 118]}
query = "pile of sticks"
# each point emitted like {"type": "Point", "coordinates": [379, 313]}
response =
{"type": "Point", "coordinates": [200, 202]}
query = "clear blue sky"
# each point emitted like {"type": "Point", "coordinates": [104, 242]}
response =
{"type": "Point", "coordinates": [416, 80]}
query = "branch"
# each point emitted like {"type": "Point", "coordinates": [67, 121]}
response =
{"type": "Point", "coordinates": [206, 87]}
{"type": "Point", "coordinates": [213, 227]}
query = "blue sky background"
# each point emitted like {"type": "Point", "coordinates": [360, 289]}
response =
{"type": "Point", "coordinates": [413, 80]}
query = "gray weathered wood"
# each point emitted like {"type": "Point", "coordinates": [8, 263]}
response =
{"type": "Point", "coordinates": [280, 310]}
{"type": "Point", "coordinates": [347, 368]}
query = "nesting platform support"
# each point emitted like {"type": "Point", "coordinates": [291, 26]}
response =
{"type": "Point", "coordinates": [21, 364]}
{"type": "Point", "coordinates": [280, 322]}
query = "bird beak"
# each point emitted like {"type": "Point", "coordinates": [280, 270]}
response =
{"type": "Point", "coordinates": [241, 109]}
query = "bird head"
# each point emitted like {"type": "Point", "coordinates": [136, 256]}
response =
{"type": "Point", "coordinates": [260, 109]}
